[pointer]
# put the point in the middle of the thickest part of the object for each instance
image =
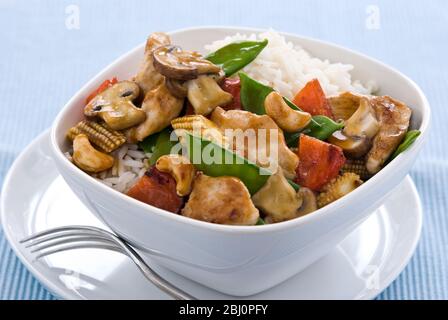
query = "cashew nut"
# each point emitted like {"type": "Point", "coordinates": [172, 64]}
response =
{"type": "Point", "coordinates": [86, 157]}
{"type": "Point", "coordinates": [181, 169]}
{"type": "Point", "coordinates": [288, 119]}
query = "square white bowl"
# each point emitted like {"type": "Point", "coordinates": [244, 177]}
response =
{"type": "Point", "coordinates": [240, 260]}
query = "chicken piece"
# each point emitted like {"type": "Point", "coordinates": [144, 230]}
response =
{"type": "Point", "coordinates": [259, 152]}
{"type": "Point", "coordinates": [161, 107]}
{"type": "Point", "coordinates": [394, 117]}
{"type": "Point", "coordinates": [222, 200]}
{"type": "Point", "coordinates": [147, 77]}
{"type": "Point", "coordinates": [157, 189]}
{"type": "Point", "coordinates": [338, 188]}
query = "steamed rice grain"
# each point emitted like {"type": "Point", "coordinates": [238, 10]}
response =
{"type": "Point", "coordinates": [287, 68]}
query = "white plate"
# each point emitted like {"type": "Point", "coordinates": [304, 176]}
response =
{"type": "Point", "coordinates": [35, 198]}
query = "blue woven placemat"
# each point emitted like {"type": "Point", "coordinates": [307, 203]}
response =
{"type": "Point", "coordinates": [47, 53]}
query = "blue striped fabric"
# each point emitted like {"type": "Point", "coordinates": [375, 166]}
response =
{"type": "Point", "coordinates": [42, 63]}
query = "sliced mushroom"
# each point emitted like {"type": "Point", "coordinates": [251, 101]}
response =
{"type": "Point", "coordinates": [160, 107]}
{"type": "Point", "coordinates": [356, 137]}
{"type": "Point", "coordinates": [147, 77]}
{"type": "Point", "coordinates": [86, 157]}
{"type": "Point", "coordinates": [177, 88]}
{"type": "Point", "coordinates": [181, 169]}
{"type": "Point", "coordinates": [115, 107]}
{"type": "Point", "coordinates": [288, 119]}
{"type": "Point", "coordinates": [394, 117]}
{"type": "Point", "coordinates": [205, 95]}
{"type": "Point", "coordinates": [277, 199]}
{"type": "Point", "coordinates": [223, 200]}
{"type": "Point", "coordinates": [264, 128]}
{"type": "Point", "coordinates": [344, 105]}
{"type": "Point", "coordinates": [174, 63]}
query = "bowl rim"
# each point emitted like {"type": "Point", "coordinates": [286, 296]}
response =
{"type": "Point", "coordinates": [281, 226]}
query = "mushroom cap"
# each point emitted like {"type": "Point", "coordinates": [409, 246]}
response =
{"type": "Point", "coordinates": [174, 63]}
{"type": "Point", "coordinates": [115, 107]}
{"type": "Point", "coordinates": [354, 147]}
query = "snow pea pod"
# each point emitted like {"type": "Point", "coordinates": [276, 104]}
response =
{"type": "Point", "coordinates": [408, 140]}
{"type": "Point", "coordinates": [237, 55]}
{"type": "Point", "coordinates": [216, 161]}
{"type": "Point", "coordinates": [322, 127]}
{"type": "Point", "coordinates": [158, 145]}
{"type": "Point", "coordinates": [253, 95]}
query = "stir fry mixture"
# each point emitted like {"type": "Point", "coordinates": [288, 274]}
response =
{"type": "Point", "coordinates": [326, 147]}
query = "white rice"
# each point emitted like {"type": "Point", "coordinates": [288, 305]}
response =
{"type": "Point", "coordinates": [281, 65]}
{"type": "Point", "coordinates": [287, 68]}
{"type": "Point", "coordinates": [130, 165]}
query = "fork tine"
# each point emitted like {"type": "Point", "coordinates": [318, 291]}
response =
{"type": "Point", "coordinates": [78, 229]}
{"type": "Point", "coordinates": [61, 235]}
{"type": "Point", "coordinates": [76, 237]}
{"type": "Point", "coordinates": [66, 230]}
{"type": "Point", "coordinates": [79, 245]}
{"type": "Point", "coordinates": [44, 244]}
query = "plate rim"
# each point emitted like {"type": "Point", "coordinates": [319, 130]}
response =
{"type": "Point", "coordinates": [66, 294]}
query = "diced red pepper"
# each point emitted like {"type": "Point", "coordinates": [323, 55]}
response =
{"type": "Point", "coordinates": [157, 189]}
{"type": "Point", "coordinates": [232, 86]}
{"type": "Point", "coordinates": [312, 99]}
{"type": "Point", "coordinates": [106, 84]}
{"type": "Point", "coordinates": [319, 162]}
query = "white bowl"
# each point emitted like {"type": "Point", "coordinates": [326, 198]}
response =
{"type": "Point", "coordinates": [238, 260]}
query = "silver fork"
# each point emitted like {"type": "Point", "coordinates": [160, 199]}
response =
{"type": "Point", "coordinates": [74, 237]}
